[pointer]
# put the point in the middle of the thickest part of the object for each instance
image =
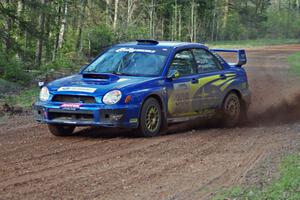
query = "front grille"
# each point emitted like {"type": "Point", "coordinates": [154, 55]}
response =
{"type": "Point", "coordinates": [70, 115]}
{"type": "Point", "coordinates": [73, 99]}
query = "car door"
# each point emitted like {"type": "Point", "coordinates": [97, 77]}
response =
{"type": "Point", "coordinates": [180, 96]}
{"type": "Point", "coordinates": [207, 93]}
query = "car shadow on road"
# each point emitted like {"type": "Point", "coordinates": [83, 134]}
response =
{"type": "Point", "coordinates": [105, 133]}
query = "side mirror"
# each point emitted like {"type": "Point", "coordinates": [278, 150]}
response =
{"type": "Point", "coordinates": [41, 84]}
{"type": "Point", "coordinates": [173, 74]}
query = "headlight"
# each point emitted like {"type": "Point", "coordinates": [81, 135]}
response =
{"type": "Point", "coordinates": [44, 94]}
{"type": "Point", "coordinates": [112, 97]}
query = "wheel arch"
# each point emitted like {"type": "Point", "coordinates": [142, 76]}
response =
{"type": "Point", "coordinates": [239, 94]}
{"type": "Point", "coordinates": [160, 100]}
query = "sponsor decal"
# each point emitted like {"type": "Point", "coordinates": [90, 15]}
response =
{"type": "Point", "coordinates": [131, 50]}
{"type": "Point", "coordinates": [70, 105]}
{"type": "Point", "coordinates": [77, 89]}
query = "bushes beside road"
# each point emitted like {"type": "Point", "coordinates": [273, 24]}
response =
{"type": "Point", "coordinates": [294, 62]}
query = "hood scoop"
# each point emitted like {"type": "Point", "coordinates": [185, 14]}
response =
{"type": "Point", "coordinates": [100, 76]}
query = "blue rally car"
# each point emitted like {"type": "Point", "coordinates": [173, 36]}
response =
{"type": "Point", "coordinates": [147, 85]}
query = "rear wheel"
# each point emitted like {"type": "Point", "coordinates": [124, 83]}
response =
{"type": "Point", "coordinates": [60, 130]}
{"type": "Point", "coordinates": [231, 111]}
{"type": "Point", "coordinates": [150, 119]}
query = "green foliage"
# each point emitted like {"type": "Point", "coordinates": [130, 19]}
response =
{"type": "Point", "coordinates": [98, 38]}
{"type": "Point", "coordinates": [235, 29]}
{"type": "Point", "coordinates": [7, 87]}
{"type": "Point", "coordinates": [286, 187]}
{"type": "Point", "coordinates": [61, 35]}
{"type": "Point", "coordinates": [69, 63]}
{"type": "Point", "coordinates": [12, 70]}
{"type": "Point", "coordinates": [294, 62]}
{"type": "Point", "coordinates": [284, 24]}
{"type": "Point", "coordinates": [59, 63]}
{"type": "Point", "coordinates": [24, 99]}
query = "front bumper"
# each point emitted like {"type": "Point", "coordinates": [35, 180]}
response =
{"type": "Point", "coordinates": [123, 116]}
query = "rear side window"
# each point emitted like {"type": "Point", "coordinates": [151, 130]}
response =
{"type": "Point", "coordinates": [183, 62]}
{"type": "Point", "coordinates": [205, 61]}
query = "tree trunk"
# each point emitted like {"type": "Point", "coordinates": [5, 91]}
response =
{"type": "Point", "coordinates": [214, 20]}
{"type": "Point", "coordinates": [55, 48]}
{"type": "Point", "coordinates": [39, 44]}
{"type": "Point", "coordinates": [19, 13]}
{"type": "Point", "coordinates": [19, 34]}
{"type": "Point", "coordinates": [130, 10]}
{"type": "Point", "coordinates": [47, 35]}
{"type": "Point", "coordinates": [80, 26]}
{"type": "Point", "coordinates": [116, 14]}
{"type": "Point", "coordinates": [108, 12]}
{"type": "Point", "coordinates": [179, 24]}
{"type": "Point", "coordinates": [175, 20]}
{"type": "Point", "coordinates": [151, 21]}
{"type": "Point", "coordinates": [225, 17]}
{"type": "Point", "coordinates": [195, 26]}
{"type": "Point", "coordinates": [7, 37]}
{"type": "Point", "coordinates": [63, 25]}
{"type": "Point", "coordinates": [192, 21]}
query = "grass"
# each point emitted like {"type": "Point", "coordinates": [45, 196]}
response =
{"type": "Point", "coordinates": [251, 43]}
{"type": "Point", "coordinates": [294, 62]}
{"type": "Point", "coordinates": [286, 187]}
{"type": "Point", "coordinates": [24, 99]}
{"type": "Point", "coordinates": [7, 87]}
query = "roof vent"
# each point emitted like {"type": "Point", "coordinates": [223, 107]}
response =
{"type": "Point", "coordinates": [151, 42]}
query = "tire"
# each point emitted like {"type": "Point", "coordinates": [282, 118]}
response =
{"type": "Point", "coordinates": [60, 130]}
{"type": "Point", "coordinates": [231, 110]}
{"type": "Point", "coordinates": [150, 119]}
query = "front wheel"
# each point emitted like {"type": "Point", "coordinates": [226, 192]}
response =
{"type": "Point", "coordinates": [150, 118]}
{"type": "Point", "coordinates": [60, 130]}
{"type": "Point", "coordinates": [231, 111]}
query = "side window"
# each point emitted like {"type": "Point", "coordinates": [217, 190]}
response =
{"type": "Point", "coordinates": [206, 62]}
{"type": "Point", "coordinates": [184, 63]}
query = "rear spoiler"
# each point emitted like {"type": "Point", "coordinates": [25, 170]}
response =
{"type": "Point", "coordinates": [241, 58]}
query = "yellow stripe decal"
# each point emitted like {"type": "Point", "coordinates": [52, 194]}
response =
{"type": "Point", "coordinates": [226, 85]}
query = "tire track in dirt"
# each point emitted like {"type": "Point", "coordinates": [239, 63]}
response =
{"type": "Point", "coordinates": [75, 164]}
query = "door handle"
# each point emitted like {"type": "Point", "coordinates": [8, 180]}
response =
{"type": "Point", "coordinates": [194, 81]}
{"type": "Point", "coordinates": [223, 76]}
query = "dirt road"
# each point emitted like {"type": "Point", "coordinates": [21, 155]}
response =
{"type": "Point", "coordinates": [192, 162]}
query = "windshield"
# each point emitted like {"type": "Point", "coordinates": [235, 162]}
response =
{"type": "Point", "coordinates": [130, 61]}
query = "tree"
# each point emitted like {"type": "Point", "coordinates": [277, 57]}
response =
{"type": "Point", "coordinates": [64, 33]}
{"type": "Point", "coordinates": [40, 39]}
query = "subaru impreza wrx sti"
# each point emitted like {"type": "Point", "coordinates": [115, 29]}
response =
{"type": "Point", "coordinates": [147, 85]}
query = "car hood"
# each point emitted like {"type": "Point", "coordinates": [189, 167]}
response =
{"type": "Point", "coordinates": [94, 84]}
